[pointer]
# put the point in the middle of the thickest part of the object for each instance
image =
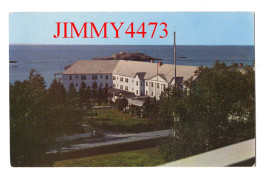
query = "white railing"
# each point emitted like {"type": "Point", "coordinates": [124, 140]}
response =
{"type": "Point", "coordinates": [225, 156]}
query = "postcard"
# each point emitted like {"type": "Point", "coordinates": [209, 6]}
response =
{"type": "Point", "coordinates": [132, 89]}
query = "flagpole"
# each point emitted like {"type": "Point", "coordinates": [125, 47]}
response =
{"type": "Point", "coordinates": [174, 58]}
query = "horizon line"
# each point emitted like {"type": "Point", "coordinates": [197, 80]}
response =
{"type": "Point", "coordinates": [138, 44]}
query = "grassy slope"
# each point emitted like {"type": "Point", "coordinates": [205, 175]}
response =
{"type": "Point", "coordinates": [114, 117]}
{"type": "Point", "coordinates": [143, 157]}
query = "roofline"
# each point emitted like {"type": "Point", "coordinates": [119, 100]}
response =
{"type": "Point", "coordinates": [155, 76]}
{"type": "Point", "coordinates": [85, 73]}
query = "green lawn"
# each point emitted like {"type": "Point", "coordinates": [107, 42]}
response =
{"type": "Point", "coordinates": [114, 117]}
{"type": "Point", "coordinates": [135, 158]}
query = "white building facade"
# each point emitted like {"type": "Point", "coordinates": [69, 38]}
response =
{"type": "Point", "coordinates": [89, 71]}
{"type": "Point", "coordinates": [132, 77]}
{"type": "Point", "coordinates": [103, 80]}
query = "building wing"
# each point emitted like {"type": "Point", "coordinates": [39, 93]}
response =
{"type": "Point", "coordinates": [148, 70]}
{"type": "Point", "coordinates": [92, 67]}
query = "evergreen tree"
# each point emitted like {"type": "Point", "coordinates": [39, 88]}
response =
{"type": "Point", "coordinates": [94, 91]}
{"type": "Point", "coordinates": [82, 94]}
{"type": "Point", "coordinates": [88, 93]}
{"type": "Point", "coordinates": [28, 126]}
{"type": "Point", "coordinates": [122, 104]}
{"type": "Point", "coordinates": [100, 95]}
{"type": "Point", "coordinates": [72, 95]}
{"type": "Point", "coordinates": [105, 94]}
{"type": "Point", "coordinates": [37, 117]}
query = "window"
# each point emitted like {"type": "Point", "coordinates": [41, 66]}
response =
{"type": "Point", "coordinates": [146, 83]}
{"type": "Point", "coordinates": [117, 78]}
{"type": "Point", "coordinates": [76, 77]}
{"type": "Point", "coordinates": [136, 83]}
{"type": "Point", "coordinates": [132, 89]}
{"type": "Point", "coordinates": [94, 77]}
{"type": "Point", "coordinates": [83, 77]}
{"type": "Point", "coordinates": [152, 94]}
{"type": "Point", "coordinates": [158, 85]}
{"type": "Point", "coordinates": [126, 88]}
{"type": "Point", "coordinates": [106, 84]}
{"type": "Point", "coordinates": [76, 85]}
{"type": "Point", "coordinates": [146, 92]}
{"type": "Point", "coordinates": [121, 87]}
{"type": "Point", "coordinates": [106, 77]}
{"type": "Point", "coordinates": [101, 84]}
{"type": "Point", "coordinates": [163, 87]}
{"type": "Point", "coordinates": [151, 84]}
{"type": "Point", "coordinates": [126, 80]}
{"type": "Point", "coordinates": [101, 76]}
{"type": "Point", "coordinates": [70, 77]}
{"type": "Point", "coordinates": [137, 92]}
{"type": "Point", "coordinates": [121, 79]}
{"type": "Point", "coordinates": [114, 85]}
{"type": "Point", "coordinates": [117, 85]}
{"type": "Point", "coordinates": [114, 77]}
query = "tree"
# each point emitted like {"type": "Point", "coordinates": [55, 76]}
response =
{"type": "Point", "coordinates": [57, 106]}
{"type": "Point", "coordinates": [100, 95]}
{"type": "Point", "coordinates": [37, 117]}
{"type": "Point", "coordinates": [82, 94]}
{"type": "Point", "coordinates": [122, 103]}
{"type": "Point", "coordinates": [94, 91]}
{"type": "Point", "coordinates": [28, 126]}
{"type": "Point", "coordinates": [105, 94]}
{"type": "Point", "coordinates": [72, 95]}
{"type": "Point", "coordinates": [216, 110]}
{"type": "Point", "coordinates": [88, 92]}
{"type": "Point", "coordinates": [150, 108]}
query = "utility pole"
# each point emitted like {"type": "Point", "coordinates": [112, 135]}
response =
{"type": "Point", "coordinates": [156, 81]}
{"type": "Point", "coordinates": [174, 58]}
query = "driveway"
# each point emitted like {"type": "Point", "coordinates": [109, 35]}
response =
{"type": "Point", "coordinates": [113, 138]}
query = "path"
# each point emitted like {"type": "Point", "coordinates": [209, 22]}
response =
{"type": "Point", "coordinates": [113, 138]}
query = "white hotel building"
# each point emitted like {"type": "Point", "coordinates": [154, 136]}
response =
{"type": "Point", "coordinates": [131, 79]}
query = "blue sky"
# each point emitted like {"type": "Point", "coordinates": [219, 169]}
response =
{"type": "Point", "coordinates": [192, 28]}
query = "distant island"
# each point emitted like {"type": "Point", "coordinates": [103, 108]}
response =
{"type": "Point", "coordinates": [128, 56]}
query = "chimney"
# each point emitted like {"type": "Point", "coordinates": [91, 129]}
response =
{"type": "Point", "coordinates": [235, 64]}
{"type": "Point", "coordinates": [160, 63]}
{"type": "Point", "coordinates": [240, 64]}
{"type": "Point", "coordinates": [152, 61]}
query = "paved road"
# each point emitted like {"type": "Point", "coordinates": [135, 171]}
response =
{"type": "Point", "coordinates": [113, 138]}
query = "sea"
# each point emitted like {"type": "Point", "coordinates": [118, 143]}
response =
{"type": "Point", "coordinates": [51, 59]}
